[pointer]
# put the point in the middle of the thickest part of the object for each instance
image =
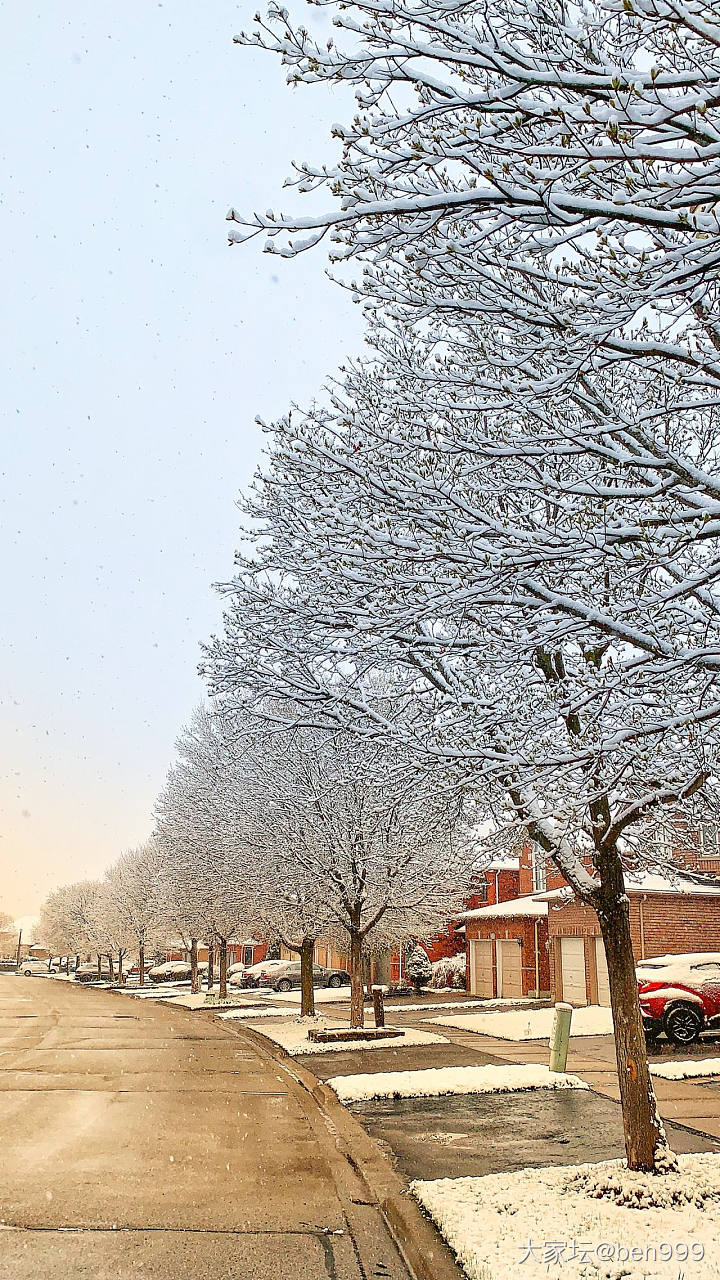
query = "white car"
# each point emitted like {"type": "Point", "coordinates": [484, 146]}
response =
{"type": "Point", "coordinates": [175, 971]}
{"type": "Point", "coordinates": [33, 965]}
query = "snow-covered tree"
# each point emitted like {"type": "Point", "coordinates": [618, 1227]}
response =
{"type": "Point", "coordinates": [134, 889]}
{"type": "Point", "coordinates": [419, 969]}
{"type": "Point", "coordinates": [379, 526]}
{"type": "Point", "coordinates": [513, 515]}
{"type": "Point", "coordinates": [504, 155]}
{"type": "Point", "coordinates": [70, 919]}
{"type": "Point", "coordinates": [202, 834]}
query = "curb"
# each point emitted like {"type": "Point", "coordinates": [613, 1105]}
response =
{"type": "Point", "coordinates": [419, 1244]}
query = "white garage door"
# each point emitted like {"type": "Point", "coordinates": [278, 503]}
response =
{"type": "Point", "coordinates": [509, 969]}
{"type": "Point", "coordinates": [572, 955]}
{"type": "Point", "coordinates": [481, 973]}
{"type": "Point", "coordinates": [602, 973]}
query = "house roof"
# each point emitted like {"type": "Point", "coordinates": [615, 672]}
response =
{"type": "Point", "coordinates": [528, 905]}
{"type": "Point", "coordinates": [502, 864]}
{"type": "Point", "coordinates": [650, 882]}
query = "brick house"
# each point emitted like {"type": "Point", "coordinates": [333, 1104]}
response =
{"type": "Point", "coordinates": [545, 942]}
{"type": "Point", "coordinates": [667, 917]}
{"type": "Point", "coordinates": [247, 951]}
{"type": "Point", "coordinates": [507, 951]}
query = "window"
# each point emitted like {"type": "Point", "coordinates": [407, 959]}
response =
{"type": "Point", "coordinates": [709, 839]}
{"type": "Point", "coordinates": [539, 868]}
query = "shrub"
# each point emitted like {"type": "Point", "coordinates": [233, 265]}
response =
{"type": "Point", "coordinates": [449, 972]}
{"type": "Point", "coordinates": [419, 969]}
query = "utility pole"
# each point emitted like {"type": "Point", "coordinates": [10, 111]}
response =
{"type": "Point", "coordinates": [17, 957]}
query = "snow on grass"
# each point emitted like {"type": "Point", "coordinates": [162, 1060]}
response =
{"type": "Point", "coordinates": [686, 1070]}
{"type": "Point", "coordinates": [293, 1037]}
{"type": "Point", "coordinates": [449, 1004]}
{"type": "Point", "coordinates": [438, 1081]}
{"type": "Point", "coordinates": [531, 1024]}
{"type": "Point", "coordinates": [249, 1012]}
{"type": "Point", "coordinates": [596, 1221]}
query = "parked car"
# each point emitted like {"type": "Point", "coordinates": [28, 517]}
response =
{"type": "Point", "coordinates": [32, 965]}
{"type": "Point", "coordinates": [233, 969]}
{"type": "Point", "coordinates": [289, 976]}
{"type": "Point", "coordinates": [250, 977]}
{"type": "Point", "coordinates": [680, 995]}
{"type": "Point", "coordinates": [89, 973]}
{"type": "Point", "coordinates": [174, 971]}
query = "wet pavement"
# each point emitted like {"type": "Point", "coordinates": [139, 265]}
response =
{"type": "Point", "coordinates": [143, 1139]}
{"type": "Point", "coordinates": [457, 1137]}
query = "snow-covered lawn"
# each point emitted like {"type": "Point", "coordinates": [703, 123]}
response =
{"type": "Point", "coordinates": [590, 1221]}
{"type": "Point", "coordinates": [686, 1070]}
{"type": "Point", "coordinates": [246, 1014]}
{"type": "Point", "coordinates": [293, 1037]}
{"type": "Point", "coordinates": [530, 1024]}
{"type": "Point", "coordinates": [430, 1008]}
{"type": "Point", "coordinates": [437, 1081]}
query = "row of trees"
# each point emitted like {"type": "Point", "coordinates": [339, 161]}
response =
{"type": "Point", "coordinates": [505, 515]}
{"type": "Point", "coordinates": [286, 832]}
{"type": "Point", "coordinates": [126, 914]}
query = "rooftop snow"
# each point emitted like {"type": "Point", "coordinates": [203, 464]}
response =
{"type": "Point", "coordinates": [528, 905]}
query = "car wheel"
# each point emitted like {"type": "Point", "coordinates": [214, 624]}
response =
{"type": "Point", "coordinates": [683, 1024]}
{"type": "Point", "coordinates": [335, 981]}
{"type": "Point", "coordinates": [284, 985]}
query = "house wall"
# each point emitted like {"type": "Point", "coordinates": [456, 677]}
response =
{"type": "Point", "coordinates": [660, 924]}
{"type": "Point", "coordinates": [522, 927]}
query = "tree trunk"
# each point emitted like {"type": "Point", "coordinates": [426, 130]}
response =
{"type": "Point", "coordinates": [142, 964]}
{"type": "Point", "coordinates": [646, 1145]}
{"type": "Point", "coordinates": [307, 990]}
{"type": "Point", "coordinates": [194, 977]}
{"type": "Point", "coordinates": [223, 969]}
{"type": "Point", "coordinates": [211, 967]}
{"type": "Point", "coordinates": [99, 965]}
{"type": "Point", "coordinates": [67, 966]}
{"type": "Point", "coordinates": [120, 972]}
{"type": "Point", "coordinates": [357, 990]}
{"type": "Point", "coordinates": [111, 962]}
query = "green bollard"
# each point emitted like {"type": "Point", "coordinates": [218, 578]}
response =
{"type": "Point", "coordinates": [560, 1037]}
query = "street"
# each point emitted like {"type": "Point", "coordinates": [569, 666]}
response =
{"type": "Point", "coordinates": [140, 1139]}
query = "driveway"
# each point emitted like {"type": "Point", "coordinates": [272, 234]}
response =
{"type": "Point", "coordinates": [145, 1139]}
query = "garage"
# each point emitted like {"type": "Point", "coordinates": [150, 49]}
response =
{"type": "Point", "coordinates": [603, 981]}
{"type": "Point", "coordinates": [481, 968]}
{"type": "Point", "coordinates": [509, 963]}
{"type": "Point", "coordinates": [572, 959]}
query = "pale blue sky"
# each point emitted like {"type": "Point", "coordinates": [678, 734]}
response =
{"type": "Point", "coordinates": [138, 350]}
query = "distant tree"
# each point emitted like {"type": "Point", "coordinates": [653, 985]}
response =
{"type": "Point", "coordinates": [134, 890]}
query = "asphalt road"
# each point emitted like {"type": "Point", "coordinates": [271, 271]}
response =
{"type": "Point", "coordinates": [141, 1140]}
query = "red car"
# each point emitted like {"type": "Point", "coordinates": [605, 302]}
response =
{"type": "Point", "coordinates": [680, 995]}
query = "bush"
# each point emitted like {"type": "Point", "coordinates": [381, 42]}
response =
{"type": "Point", "coordinates": [449, 972]}
{"type": "Point", "coordinates": [419, 969]}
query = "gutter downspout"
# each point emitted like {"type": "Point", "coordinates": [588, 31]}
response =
{"type": "Point", "coordinates": [537, 962]}
{"type": "Point", "coordinates": [642, 927]}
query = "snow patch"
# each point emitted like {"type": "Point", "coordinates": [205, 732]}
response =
{"type": "Point", "coordinates": [530, 1024]}
{"type": "Point", "coordinates": [293, 1038]}
{"type": "Point", "coordinates": [686, 1070]}
{"type": "Point", "coordinates": [439, 1081]}
{"type": "Point", "coordinates": [598, 1221]}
